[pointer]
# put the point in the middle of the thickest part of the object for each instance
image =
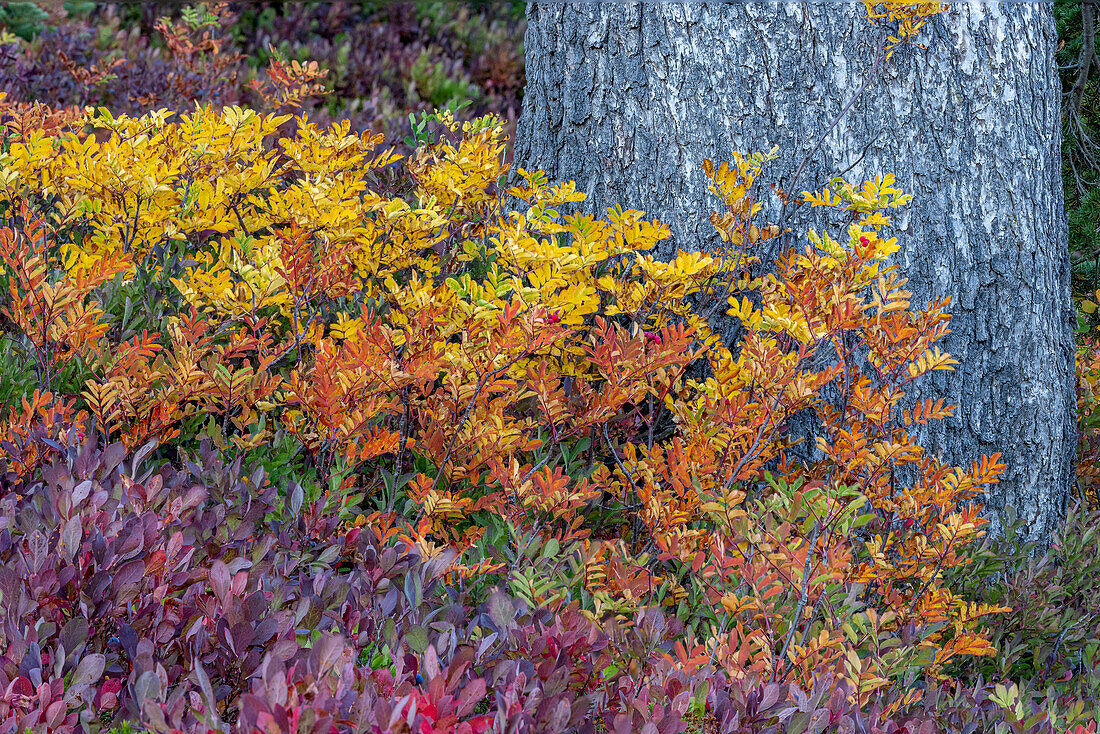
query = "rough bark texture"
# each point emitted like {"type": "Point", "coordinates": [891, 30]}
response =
{"type": "Point", "coordinates": [628, 99]}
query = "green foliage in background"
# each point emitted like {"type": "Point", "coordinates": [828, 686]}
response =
{"type": "Point", "coordinates": [25, 20]}
{"type": "Point", "coordinates": [1080, 160]}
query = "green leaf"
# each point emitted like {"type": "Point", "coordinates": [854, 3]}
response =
{"type": "Point", "coordinates": [417, 639]}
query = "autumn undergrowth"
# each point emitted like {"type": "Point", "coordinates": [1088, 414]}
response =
{"type": "Point", "coordinates": [287, 450]}
{"type": "Point", "coordinates": [286, 447]}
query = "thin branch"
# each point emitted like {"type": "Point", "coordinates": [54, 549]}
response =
{"type": "Point", "coordinates": [622, 467]}
{"type": "Point", "coordinates": [1088, 52]}
{"type": "Point", "coordinates": [466, 416]}
{"type": "Point", "coordinates": [801, 597]}
{"type": "Point", "coordinates": [793, 188]}
{"type": "Point", "coordinates": [935, 572]}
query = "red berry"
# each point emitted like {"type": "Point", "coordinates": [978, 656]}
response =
{"type": "Point", "coordinates": [554, 318]}
{"type": "Point", "coordinates": [864, 241]}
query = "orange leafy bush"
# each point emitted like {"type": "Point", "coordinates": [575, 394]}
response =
{"type": "Point", "coordinates": [450, 370]}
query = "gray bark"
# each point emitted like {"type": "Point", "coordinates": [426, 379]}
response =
{"type": "Point", "coordinates": [628, 99]}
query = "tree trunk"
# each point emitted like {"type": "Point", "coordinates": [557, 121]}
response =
{"type": "Point", "coordinates": [628, 99]}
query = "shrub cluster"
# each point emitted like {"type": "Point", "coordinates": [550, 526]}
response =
{"type": "Point", "coordinates": [432, 462]}
{"type": "Point", "coordinates": [288, 448]}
